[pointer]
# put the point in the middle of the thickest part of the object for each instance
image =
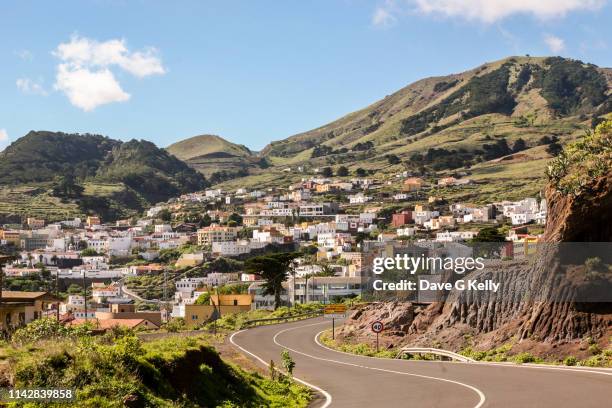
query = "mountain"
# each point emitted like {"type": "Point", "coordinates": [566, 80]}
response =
{"type": "Point", "coordinates": [214, 156]}
{"type": "Point", "coordinates": [469, 121]}
{"type": "Point", "coordinates": [111, 177]}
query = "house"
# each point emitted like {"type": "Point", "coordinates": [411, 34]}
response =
{"type": "Point", "coordinates": [127, 311]}
{"type": "Point", "coordinates": [99, 292]}
{"type": "Point", "coordinates": [35, 223]}
{"type": "Point", "coordinates": [403, 218]}
{"type": "Point", "coordinates": [413, 184]}
{"type": "Point", "coordinates": [220, 305]}
{"type": "Point", "coordinates": [93, 221]}
{"type": "Point", "coordinates": [359, 198]}
{"type": "Point", "coordinates": [20, 308]}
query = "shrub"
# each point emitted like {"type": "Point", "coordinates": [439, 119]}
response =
{"type": "Point", "coordinates": [570, 361]}
{"type": "Point", "coordinates": [522, 358]}
{"type": "Point", "coordinates": [594, 349]}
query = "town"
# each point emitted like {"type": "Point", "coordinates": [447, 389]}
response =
{"type": "Point", "coordinates": [183, 259]}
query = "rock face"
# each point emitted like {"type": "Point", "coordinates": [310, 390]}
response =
{"type": "Point", "coordinates": [396, 316]}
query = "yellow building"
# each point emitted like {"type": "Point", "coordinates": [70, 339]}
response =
{"type": "Point", "coordinates": [208, 235]}
{"type": "Point", "coordinates": [196, 315]}
{"type": "Point", "coordinates": [20, 308]}
{"type": "Point", "coordinates": [11, 237]}
{"type": "Point", "coordinates": [91, 221]}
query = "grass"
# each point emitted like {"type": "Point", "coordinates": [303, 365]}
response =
{"type": "Point", "coordinates": [601, 358]}
{"type": "Point", "coordinates": [109, 370]}
{"type": "Point", "coordinates": [236, 321]}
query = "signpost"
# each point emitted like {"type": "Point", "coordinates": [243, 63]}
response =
{"type": "Point", "coordinates": [335, 311]}
{"type": "Point", "coordinates": [377, 327]}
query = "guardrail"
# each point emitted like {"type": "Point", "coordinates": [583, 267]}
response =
{"type": "Point", "coordinates": [434, 351]}
{"type": "Point", "coordinates": [272, 320]}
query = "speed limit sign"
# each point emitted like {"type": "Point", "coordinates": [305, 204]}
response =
{"type": "Point", "coordinates": [377, 326]}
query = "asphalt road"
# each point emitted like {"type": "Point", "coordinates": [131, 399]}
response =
{"type": "Point", "coordinates": [346, 380]}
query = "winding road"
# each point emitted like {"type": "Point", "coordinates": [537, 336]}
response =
{"type": "Point", "coordinates": [346, 380]}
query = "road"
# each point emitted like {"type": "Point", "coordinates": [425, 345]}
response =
{"type": "Point", "coordinates": [346, 380]}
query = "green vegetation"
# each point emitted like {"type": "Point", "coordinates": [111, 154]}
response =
{"type": "Point", "coordinates": [236, 321]}
{"type": "Point", "coordinates": [117, 369]}
{"type": "Point", "coordinates": [216, 158]}
{"type": "Point", "coordinates": [65, 165]}
{"type": "Point", "coordinates": [274, 269]}
{"type": "Point", "coordinates": [572, 87]}
{"type": "Point", "coordinates": [583, 161]}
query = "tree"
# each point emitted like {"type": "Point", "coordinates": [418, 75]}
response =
{"type": "Point", "coordinates": [165, 215]}
{"type": "Point", "coordinates": [361, 172]}
{"type": "Point", "coordinates": [393, 159]}
{"type": "Point", "coordinates": [519, 145]}
{"type": "Point", "coordinates": [342, 171]}
{"type": "Point", "coordinates": [327, 172]}
{"type": "Point", "coordinates": [235, 217]}
{"type": "Point", "coordinates": [203, 299]}
{"type": "Point", "coordinates": [489, 234]}
{"type": "Point", "coordinates": [273, 268]}
{"type": "Point", "coordinates": [489, 242]}
{"type": "Point", "coordinates": [554, 149]}
{"type": "Point", "coordinates": [89, 252]}
{"type": "Point", "coordinates": [67, 187]}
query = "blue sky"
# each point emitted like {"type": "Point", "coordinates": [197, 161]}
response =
{"type": "Point", "coordinates": [256, 71]}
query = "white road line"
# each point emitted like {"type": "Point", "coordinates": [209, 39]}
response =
{"type": "Point", "coordinates": [476, 390]}
{"type": "Point", "coordinates": [327, 395]}
{"type": "Point", "coordinates": [602, 371]}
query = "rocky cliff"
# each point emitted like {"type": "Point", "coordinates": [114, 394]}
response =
{"type": "Point", "coordinates": [543, 304]}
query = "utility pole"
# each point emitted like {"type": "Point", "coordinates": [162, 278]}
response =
{"type": "Point", "coordinates": [57, 294]}
{"type": "Point", "coordinates": [85, 295]}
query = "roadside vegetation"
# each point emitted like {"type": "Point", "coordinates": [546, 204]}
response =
{"type": "Point", "coordinates": [600, 357]}
{"type": "Point", "coordinates": [236, 321]}
{"type": "Point", "coordinates": [117, 369]}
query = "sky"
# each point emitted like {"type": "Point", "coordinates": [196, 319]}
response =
{"type": "Point", "coordinates": [256, 71]}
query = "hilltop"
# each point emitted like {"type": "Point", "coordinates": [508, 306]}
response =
{"type": "Point", "coordinates": [215, 157]}
{"type": "Point", "coordinates": [468, 122]}
{"type": "Point", "coordinates": [71, 174]}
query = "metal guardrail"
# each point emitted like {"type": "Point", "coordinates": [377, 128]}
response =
{"type": "Point", "coordinates": [434, 351]}
{"type": "Point", "coordinates": [257, 322]}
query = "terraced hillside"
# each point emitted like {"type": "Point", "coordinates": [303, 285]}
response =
{"type": "Point", "coordinates": [497, 121]}
{"type": "Point", "coordinates": [59, 175]}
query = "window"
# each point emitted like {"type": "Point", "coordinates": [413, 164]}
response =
{"type": "Point", "coordinates": [194, 317]}
{"type": "Point", "coordinates": [235, 302]}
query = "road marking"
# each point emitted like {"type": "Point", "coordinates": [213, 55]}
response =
{"type": "Point", "coordinates": [480, 394]}
{"type": "Point", "coordinates": [602, 370]}
{"type": "Point", "coordinates": [327, 395]}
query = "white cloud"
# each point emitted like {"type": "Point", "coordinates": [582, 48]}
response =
{"type": "Point", "coordinates": [3, 136]}
{"type": "Point", "coordinates": [88, 89]}
{"type": "Point", "coordinates": [490, 11]}
{"type": "Point", "coordinates": [30, 86]}
{"type": "Point", "coordinates": [384, 15]}
{"type": "Point", "coordinates": [85, 75]}
{"type": "Point", "coordinates": [87, 52]}
{"type": "Point", "coordinates": [555, 44]}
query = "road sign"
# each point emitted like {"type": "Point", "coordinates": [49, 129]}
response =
{"type": "Point", "coordinates": [336, 311]}
{"type": "Point", "coordinates": [378, 326]}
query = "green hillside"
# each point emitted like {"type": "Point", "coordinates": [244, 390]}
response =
{"type": "Point", "coordinates": [215, 157]}
{"type": "Point", "coordinates": [55, 175]}
{"type": "Point", "coordinates": [206, 145]}
{"type": "Point", "coordinates": [512, 109]}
